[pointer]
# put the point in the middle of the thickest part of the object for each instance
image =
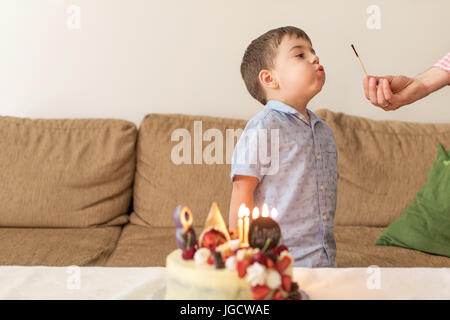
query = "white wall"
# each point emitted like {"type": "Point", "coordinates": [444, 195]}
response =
{"type": "Point", "coordinates": [134, 57]}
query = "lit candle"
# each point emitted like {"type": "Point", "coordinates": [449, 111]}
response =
{"type": "Point", "coordinates": [246, 225]}
{"type": "Point", "coordinates": [255, 214]}
{"type": "Point", "coordinates": [265, 211]}
{"type": "Point", "coordinates": [241, 223]}
{"type": "Point", "coordinates": [274, 213]}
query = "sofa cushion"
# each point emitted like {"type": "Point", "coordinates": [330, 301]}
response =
{"type": "Point", "coordinates": [356, 248]}
{"type": "Point", "coordinates": [57, 246]}
{"type": "Point", "coordinates": [425, 224]}
{"type": "Point", "coordinates": [161, 184]}
{"type": "Point", "coordinates": [382, 165]}
{"type": "Point", "coordinates": [65, 172]}
{"type": "Point", "coordinates": [141, 246]}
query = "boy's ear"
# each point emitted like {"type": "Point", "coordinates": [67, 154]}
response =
{"type": "Point", "coordinates": [267, 80]}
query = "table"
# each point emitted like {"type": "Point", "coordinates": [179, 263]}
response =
{"type": "Point", "coordinates": [41, 282]}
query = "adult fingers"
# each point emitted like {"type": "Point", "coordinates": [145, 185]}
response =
{"type": "Point", "coordinates": [388, 78]}
{"type": "Point", "coordinates": [373, 91]}
{"type": "Point", "coordinates": [388, 95]}
{"type": "Point", "coordinates": [366, 86]}
{"type": "Point", "coordinates": [391, 107]}
{"type": "Point", "coordinates": [380, 96]}
{"type": "Point", "coordinates": [386, 89]}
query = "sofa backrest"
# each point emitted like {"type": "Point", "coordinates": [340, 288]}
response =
{"type": "Point", "coordinates": [79, 172]}
{"type": "Point", "coordinates": [65, 172]}
{"type": "Point", "coordinates": [382, 165]}
{"type": "Point", "coordinates": [162, 183]}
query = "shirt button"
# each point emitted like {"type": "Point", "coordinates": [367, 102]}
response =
{"type": "Point", "coordinates": [321, 188]}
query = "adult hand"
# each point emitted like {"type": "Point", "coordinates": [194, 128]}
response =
{"type": "Point", "coordinates": [392, 92]}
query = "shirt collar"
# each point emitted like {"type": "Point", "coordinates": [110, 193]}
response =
{"type": "Point", "coordinates": [282, 107]}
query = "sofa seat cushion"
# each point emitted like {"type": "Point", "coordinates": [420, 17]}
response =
{"type": "Point", "coordinates": [141, 246]}
{"type": "Point", "coordinates": [57, 246]}
{"type": "Point", "coordinates": [356, 248]}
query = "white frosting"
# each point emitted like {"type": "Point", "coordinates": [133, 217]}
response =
{"type": "Point", "coordinates": [240, 255]}
{"type": "Point", "coordinates": [230, 263]}
{"type": "Point", "coordinates": [256, 274]}
{"type": "Point", "coordinates": [273, 279]}
{"type": "Point", "coordinates": [201, 256]}
{"type": "Point", "coordinates": [234, 244]}
{"type": "Point", "coordinates": [187, 280]}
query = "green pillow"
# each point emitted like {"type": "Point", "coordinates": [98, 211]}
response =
{"type": "Point", "coordinates": [425, 224]}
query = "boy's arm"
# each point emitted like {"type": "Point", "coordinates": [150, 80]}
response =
{"type": "Point", "coordinates": [243, 188]}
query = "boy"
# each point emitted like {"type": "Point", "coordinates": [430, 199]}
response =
{"type": "Point", "coordinates": [281, 70]}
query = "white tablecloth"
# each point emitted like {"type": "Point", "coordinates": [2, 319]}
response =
{"type": "Point", "coordinates": [17, 282]}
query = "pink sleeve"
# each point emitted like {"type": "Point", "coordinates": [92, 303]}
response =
{"type": "Point", "coordinates": [444, 63]}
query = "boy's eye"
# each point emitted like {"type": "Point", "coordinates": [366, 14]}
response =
{"type": "Point", "coordinates": [300, 55]}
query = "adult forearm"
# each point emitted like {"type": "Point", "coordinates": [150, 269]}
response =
{"type": "Point", "coordinates": [433, 79]}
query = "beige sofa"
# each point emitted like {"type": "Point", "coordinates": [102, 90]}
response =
{"type": "Point", "coordinates": [99, 192]}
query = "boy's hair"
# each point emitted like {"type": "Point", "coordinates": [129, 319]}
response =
{"type": "Point", "coordinates": [260, 54]}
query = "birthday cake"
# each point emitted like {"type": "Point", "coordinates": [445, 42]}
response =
{"type": "Point", "coordinates": [220, 266]}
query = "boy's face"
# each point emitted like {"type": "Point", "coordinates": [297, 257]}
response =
{"type": "Point", "coordinates": [297, 71]}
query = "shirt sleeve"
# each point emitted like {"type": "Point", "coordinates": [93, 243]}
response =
{"type": "Point", "coordinates": [444, 63]}
{"type": "Point", "coordinates": [245, 159]}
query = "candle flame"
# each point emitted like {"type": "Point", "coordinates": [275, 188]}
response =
{"type": "Point", "coordinates": [274, 213]}
{"type": "Point", "coordinates": [265, 211]}
{"type": "Point", "coordinates": [241, 211]}
{"type": "Point", "coordinates": [255, 214]}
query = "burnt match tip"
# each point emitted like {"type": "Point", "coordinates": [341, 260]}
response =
{"type": "Point", "coordinates": [354, 50]}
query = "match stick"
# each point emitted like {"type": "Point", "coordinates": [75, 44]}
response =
{"type": "Point", "coordinates": [362, 65]}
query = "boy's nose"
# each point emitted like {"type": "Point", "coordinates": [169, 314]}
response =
{"type": "Point", "coordinates": [315, 59]}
